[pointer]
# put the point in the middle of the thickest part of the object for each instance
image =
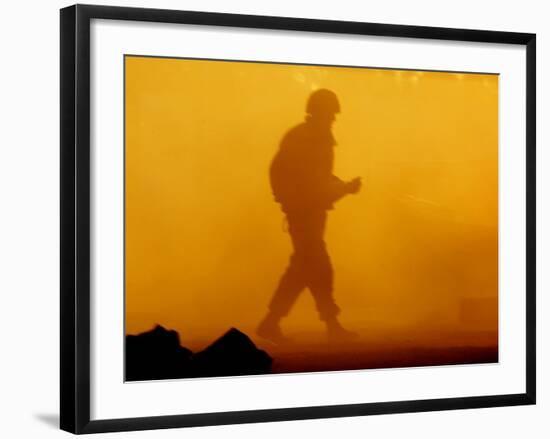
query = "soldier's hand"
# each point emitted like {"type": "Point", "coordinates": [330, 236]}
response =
{"type": "Point", "coordinates": [354, 185]}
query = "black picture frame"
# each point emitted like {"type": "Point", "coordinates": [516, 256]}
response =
{"type": "Point", "coordinates": [75, 217]}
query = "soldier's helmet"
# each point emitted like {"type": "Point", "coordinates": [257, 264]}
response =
{"type": "Point", "coordinates": [321, 102]}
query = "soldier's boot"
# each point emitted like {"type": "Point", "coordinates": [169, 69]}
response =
{"type": "Point", "coordinates": [336, 332]}
{"type": "Point", "coordinates": [270, 330]}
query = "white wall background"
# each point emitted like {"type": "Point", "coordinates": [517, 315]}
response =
{"type": "Point", "coordinates": [29, 206]}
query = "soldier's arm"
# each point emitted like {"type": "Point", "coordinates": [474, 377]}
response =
{"type": "Point", "coordinates": [337, 189]}
{"type": "Point", "coordinates": [340, 188]}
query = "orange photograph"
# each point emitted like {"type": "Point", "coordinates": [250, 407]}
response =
{"type": "Point", "coordinates": [293, 218]}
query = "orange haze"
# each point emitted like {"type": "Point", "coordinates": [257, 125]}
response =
{"type": "Point", "coordinates": [415, 252]}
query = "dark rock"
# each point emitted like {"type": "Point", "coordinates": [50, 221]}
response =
{"type": "Point", "coordinates": [157, 354]}
{"type": "Point", "coordinates": [232, 354]}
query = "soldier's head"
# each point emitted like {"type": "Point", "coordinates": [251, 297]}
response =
{"type": "Point", "coordinates": [322, 106]}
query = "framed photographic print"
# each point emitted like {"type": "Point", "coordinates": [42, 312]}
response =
{"type": "Point", "coordinates": [274, 218]}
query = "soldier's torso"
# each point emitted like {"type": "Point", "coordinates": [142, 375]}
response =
{"type": "Point", "coordinates": [302, 168]}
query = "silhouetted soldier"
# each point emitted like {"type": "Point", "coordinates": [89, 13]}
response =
{"type": "Point", "coordinates": [302, 182]}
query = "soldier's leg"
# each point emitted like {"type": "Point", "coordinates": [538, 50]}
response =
{"type": "Point", "coordinates": [317, 265]}
{"type": "Point", "coordinates": [321, 287]}
{"type": "Point", "coordinates": [289, 288]}
{"type": "Point", "coordinates": [321, 284]}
